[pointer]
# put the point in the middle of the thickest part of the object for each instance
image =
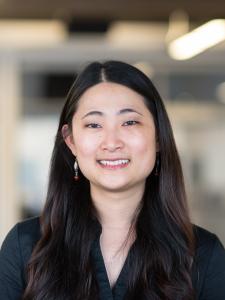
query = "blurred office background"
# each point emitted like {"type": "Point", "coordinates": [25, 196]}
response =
{"type": "Point", "coordinates": [43, 44]}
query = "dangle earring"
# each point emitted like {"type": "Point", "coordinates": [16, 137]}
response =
{"type": "Point", "coordinates": [76, 176]}
{"type": "Point", "coordinates": [157, 164]}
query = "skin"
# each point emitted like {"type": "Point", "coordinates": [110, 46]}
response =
{"type": "Point", "coordinates": [129, 135]}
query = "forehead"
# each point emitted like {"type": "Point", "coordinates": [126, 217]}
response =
{"type": "Point", "coordinates": [110, 94]}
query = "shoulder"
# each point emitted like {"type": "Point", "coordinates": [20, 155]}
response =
{"type": "Point", "coordinates": [19, 242]}
{"type": "Point", "coordinates": [29, 229]}
{"type": "Point", "coordinates": [207, 246]}
{"type": "Point", "coordinates": [25, 233]}
{"type": "Point", "coordinates": [209, 265]}
{"type": "Point", "coordinates": [28, 233]}
{"type": "Point", "coordinates": [205, 240]}
{"type": "Point", "coordinates": [203, 236]}
{"type": "Point", "coordinates": [14, 256]}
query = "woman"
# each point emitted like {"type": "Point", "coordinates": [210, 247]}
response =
{"type": "Point", "coordinates": [115, 224]}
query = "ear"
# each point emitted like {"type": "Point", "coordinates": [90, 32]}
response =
{"type": "Point", "coordinates": [68, 138]}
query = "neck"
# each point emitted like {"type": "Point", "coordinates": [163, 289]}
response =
{"type": "Point", "coordinates": [116, 210]}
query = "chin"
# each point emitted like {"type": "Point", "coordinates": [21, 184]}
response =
{"type": "Point", "coordinates": [109, 185]}
{"type": "Point", "coordinates": [115, 187]}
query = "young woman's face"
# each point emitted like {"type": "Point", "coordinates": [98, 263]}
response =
{"type": "Point", "coordinates": [113, 138]}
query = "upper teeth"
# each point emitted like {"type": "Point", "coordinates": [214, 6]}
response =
{"type": "Point", "coordinates": [115, 162]}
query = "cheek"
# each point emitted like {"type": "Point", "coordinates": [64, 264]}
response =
{"type": "Point", "coordinates": [144, 144]}
{"type": "Point", "coordinates": [86, 146]}
{"type": "Point", "coordinates": [86, 150]}
{"type": "Point", "coordinates": [145, 152]}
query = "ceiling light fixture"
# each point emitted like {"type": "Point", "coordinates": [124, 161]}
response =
{"type": "Point", "coordinates": [198, 40]}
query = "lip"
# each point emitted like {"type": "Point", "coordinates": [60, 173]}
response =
{"type": "Point", "coordinates": [113, 159]}
{"type": "Point", "coordinates": [121, 166]}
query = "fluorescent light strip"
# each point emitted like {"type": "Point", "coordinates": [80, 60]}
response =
{"type": "Point", "coordinates": [198, 40]}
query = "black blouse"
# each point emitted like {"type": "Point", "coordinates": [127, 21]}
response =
{"type": "Point", "coordinates": [208, 270]}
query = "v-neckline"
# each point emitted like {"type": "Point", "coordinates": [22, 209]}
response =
{"type": "Point", "coordinates": [118, 290]}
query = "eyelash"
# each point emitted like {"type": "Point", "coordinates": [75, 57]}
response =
{"type": "Point", "coordinates": [88, 125]}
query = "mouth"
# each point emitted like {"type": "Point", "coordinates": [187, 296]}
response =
{"type": "Point", "coordinates": [114, 164]}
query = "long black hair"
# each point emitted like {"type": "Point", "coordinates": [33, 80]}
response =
{"type": "Point", "coordinates": [61, 266]}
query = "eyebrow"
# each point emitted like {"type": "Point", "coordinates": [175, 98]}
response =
{"type": "Point", "coordinates": [120, 112]}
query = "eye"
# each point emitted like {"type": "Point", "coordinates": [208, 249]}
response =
{"type": "Point", "coordinates": [131, 122]}
{"type": "Point", "coordinates": [92, 125]}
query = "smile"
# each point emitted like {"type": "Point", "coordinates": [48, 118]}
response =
{"type": "Point", "coordinates": [114, 164]}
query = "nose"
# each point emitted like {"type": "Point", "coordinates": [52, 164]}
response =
{"type": "Point", "coordinates": [112, 140]}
